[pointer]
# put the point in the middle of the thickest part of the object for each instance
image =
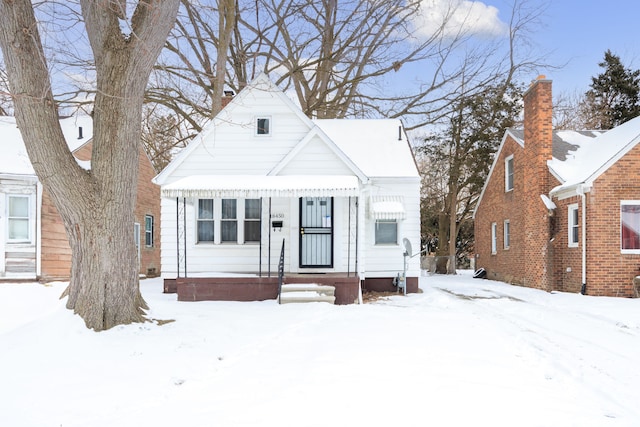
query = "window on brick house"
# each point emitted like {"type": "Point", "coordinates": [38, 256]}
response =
{"type": "Point", "coordinates": [148, 231]}
{"type": "Point", "coordinates": [494, 238]}
{"type": "Point", "coordinates": [630, 226]}
{"type": "Point", "coordinates": [507, 234]}
{"type": "Point", "coordinates": [573, 226]}
{"type": "Point", "coordinates": [508, 173]}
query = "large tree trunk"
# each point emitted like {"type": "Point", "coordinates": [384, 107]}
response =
{"type": "Point", "coordinates": [96, 206]}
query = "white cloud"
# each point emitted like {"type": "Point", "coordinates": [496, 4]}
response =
{"type": "Point", "coordinates": [458, 17]}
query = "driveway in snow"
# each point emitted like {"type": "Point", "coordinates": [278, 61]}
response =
{"type": "Point", "coordinates": [463, 352]}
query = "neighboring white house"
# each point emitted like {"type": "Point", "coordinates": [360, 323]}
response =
{"type": "Point", "coordinates": [343, 195]}
{"type": "Point", "coordinates": [21, 198]}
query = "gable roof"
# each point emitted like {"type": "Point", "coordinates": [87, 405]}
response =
{"type": "Point", "coordinates": [317, 132]}
{"type": "Point", "coordinates": [15, 160]}
{"type": "Point", "coordinates": [367, 148]}
{"type": "Point", "coordinates": [262, 83]}
{"type": "Point", "coordinates": [565, 144]}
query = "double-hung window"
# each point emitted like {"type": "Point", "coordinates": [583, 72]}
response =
{"type": "Point", "coordinates": [229, 220]}
{"type": "Point", "coordinates": [508, 173]}
{"type": "Point", "coordinates": [205, 220]}
{"type": "Point", "coordinates": [252, 220]}
{"type": "Point", "coordinates": [19, 216]}
{"type": "Point", "coordinates": [148, 231]}
{"type": "Point", "coordinates": [573, 226]}
{"type": "Point", "coordinates": [630, 226]}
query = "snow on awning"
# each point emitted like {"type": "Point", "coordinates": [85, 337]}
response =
{"type": "Point", "coordinates": [387, 207]}
{"type": "Point", "coordinates": [256, 186]}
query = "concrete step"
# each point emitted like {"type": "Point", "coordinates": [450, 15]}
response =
{"type": "Point", "coordinates": [308, 287]}
{"type": "Point", "coordinates": [307, 292]}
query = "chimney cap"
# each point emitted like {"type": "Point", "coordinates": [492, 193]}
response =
{"type": "Point", "coordinates": [228, 93]}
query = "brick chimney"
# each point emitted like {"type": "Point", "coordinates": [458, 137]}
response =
{"type": "Point", "coordinates": [538, 129]}
{"type": "Point", "coordinates": [538, 140]}
{"type": "Point", "coordinates": [228, 96]}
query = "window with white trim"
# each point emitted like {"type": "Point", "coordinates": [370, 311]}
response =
{"type": "Point", "coordinates": [148, 231]}
{"type": "Point", "coordinates": [507, 234]}
{"type": "Point", "coordinates": [252, 220]}
{"type": "Point", "coordinates": [494, 238]}
{"type": "Point", "coordinates": [263, 126]}
{"type": "Point", "coordinates": [573, 225]}
{"type": "Point", "coordinates": [205, 221]}
{"type": "Point", "coordinates": [630, 226]}
{"type": "Point", "coordinates": [229, 220]}
{"type": "Point", "coordinates": [386, 232]}
{"type": "Point", "coordinates": [18, 218]}
{"type": "Point", "coordinates": [508, 173]}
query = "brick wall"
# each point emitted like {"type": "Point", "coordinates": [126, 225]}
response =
{"type": "Point", "coordinates": [609, 272]}
{"type": "Point", "coordinates": [528, 260]}
{"type": "Point", "coordinates": [497, 205]}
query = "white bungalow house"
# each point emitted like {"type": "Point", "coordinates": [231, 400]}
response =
{"type": "Point", "coordinates": [263, 186]}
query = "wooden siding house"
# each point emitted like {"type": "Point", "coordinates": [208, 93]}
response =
{"type": "Point", "coordinates": [560, 209]}
{"type": "Point", "coordinates": [33, 241]}
{"type": "Point", "coordinates": [335, 198]}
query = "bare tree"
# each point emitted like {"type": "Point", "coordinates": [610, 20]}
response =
{"type": "Point", "coordinates": [339, 57]}
{"type": "Point", "coordinates": [96, 206]}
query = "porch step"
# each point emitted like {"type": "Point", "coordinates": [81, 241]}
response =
{"type": "Point", "coordinates": [307, 292]}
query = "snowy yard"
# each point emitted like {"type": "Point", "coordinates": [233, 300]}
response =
{"type": "Point", "coordinates": [465, 352]}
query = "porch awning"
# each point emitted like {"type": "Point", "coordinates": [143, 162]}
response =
{"type": "Point", "coordinates": [387, 207]}
{"type": "Point", "coordinates": [255, 186]}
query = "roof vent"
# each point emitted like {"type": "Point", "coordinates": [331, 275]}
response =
{"type": "Point", "coordinates": [80, 132]}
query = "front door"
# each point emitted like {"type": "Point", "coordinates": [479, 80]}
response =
{"type": "Point", "coordinates": [316, 232]}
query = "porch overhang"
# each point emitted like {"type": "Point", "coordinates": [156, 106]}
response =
{"type": "Point", "coordinates": [256, 186]}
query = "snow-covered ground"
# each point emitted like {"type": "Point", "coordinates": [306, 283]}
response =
{"type": "Point", "coordinates": [465, 352]}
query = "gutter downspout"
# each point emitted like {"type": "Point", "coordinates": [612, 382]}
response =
{"type": "Point", "coordinates": [583, 200]}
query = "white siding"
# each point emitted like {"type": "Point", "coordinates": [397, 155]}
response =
{"type": "Point", "coordinates": [316, 159]}
{"type": "Point", "coordinates": [387, 260]}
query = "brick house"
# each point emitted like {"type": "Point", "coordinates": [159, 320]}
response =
{"type": "Point", "coordinates": [33, 241]}
{"type": "Point", "coordinates": [560, 210]}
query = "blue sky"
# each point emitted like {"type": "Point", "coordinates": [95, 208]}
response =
{"type": "Point", "coordinates": [578, 32]}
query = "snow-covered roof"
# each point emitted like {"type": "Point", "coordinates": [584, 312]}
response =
{"type": "Point", "coordinates": [379, 147]}
{"type": "Point", "coordinates": [593, 153]}
{"type": "Point", "coordinates": [14, 159]}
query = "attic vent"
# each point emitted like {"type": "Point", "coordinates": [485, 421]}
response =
{"type": "Point", "coordinates": [80, 132]}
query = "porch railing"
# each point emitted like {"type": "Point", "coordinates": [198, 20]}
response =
{"type": "Point", "coordinates": [280, 271]}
